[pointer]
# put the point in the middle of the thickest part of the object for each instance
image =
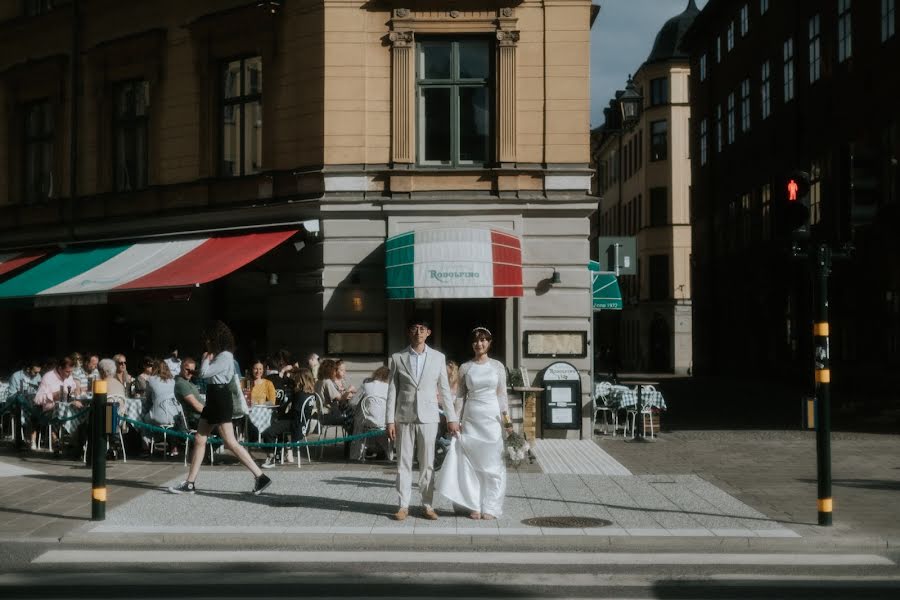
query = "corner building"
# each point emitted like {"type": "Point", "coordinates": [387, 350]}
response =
{"type": "Point", "coordinates": [420, 158]}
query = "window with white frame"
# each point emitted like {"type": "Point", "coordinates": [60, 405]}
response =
{"type": "Point", "coordinates": [703, 142]}
{"type": "Point", "coordinates": [729, 37]}
{"type": "Point", "coordinates": [845, 31]}
{"type": "Point", "coordinates": [454, 101]}
{"type": "Point", "coordinates": [765, 91]}
{"type": "Point", "coordinates": [815, 49]}
{"type": "Point", "coordinates": [766, 211]}
{"type": "Point", "coordinates": [240, 128]}
{"type": "Point", "coordinates": [815, 192]}
{"type": "Point", "coordinates": [788, 70]}
{"type": "Point", "coordinates": [745, 19]}
{"type": "Point", "coordinates": [731, 118]}
{"type": "Point", "coordinates": [703, 67]}
{"type": "Point", "coordinates": [719, 128]}
{"type": "Point", "coordinates": [745, 105]}
{"type": "Point", "coordinates": [888, 19]}
{"type": "Point", "coordinates": [763, 6]}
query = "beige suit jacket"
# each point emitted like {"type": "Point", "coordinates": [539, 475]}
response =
{"type": "Point", "coordinates": [409, 401]}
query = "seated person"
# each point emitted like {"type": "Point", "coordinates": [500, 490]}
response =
{"type": "Point", "coordinates": [164, 409]}
{"type": "Point", "coordinates": [288, 417]}
{"type": "Point", "coordinates": [57, 385]}
{"type": "Point", "coordinates": [187, 393]}
{"type": "Point", "coordinates": [261, 389]}
{"type": "Point", "coordinates": [369, 407]}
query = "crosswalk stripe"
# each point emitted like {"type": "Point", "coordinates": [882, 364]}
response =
{"type": "Point", "coordinates": [493, 558]}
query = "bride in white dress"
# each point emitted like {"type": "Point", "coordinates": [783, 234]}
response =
{"type": "Point", "coordinates": [474, 472]}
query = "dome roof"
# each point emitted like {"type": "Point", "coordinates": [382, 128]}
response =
{"type": "Point", "coordinates": [668, 41]}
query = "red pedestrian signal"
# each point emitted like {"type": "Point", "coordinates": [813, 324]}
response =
{"type": "Point", "coordinates": [792, 188]}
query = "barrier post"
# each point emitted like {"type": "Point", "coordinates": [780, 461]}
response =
{"type": "Point", "coordinates": [98, 452]}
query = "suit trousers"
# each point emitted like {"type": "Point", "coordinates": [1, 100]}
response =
{"type": "Point", "coordinates": [408, 435]}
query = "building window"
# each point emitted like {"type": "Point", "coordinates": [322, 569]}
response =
{"type": "Point", "coordinates": [659, 201]}
{"type": "Point", "coordinates": [845, 33]}
{"type": "Point", "coordinates": [815, 49]}
{"type": "Point", "coordinates": [241, 125]}
{"type": "Point", "coordinates": [640, 148]}
{"type": "Point", "coordinates": [659, 140]}
{"type": "Point", "coordinates": [132, 103]}
{"type": "Point", "coordinates": [34, 8]}
{"type": "Point", "coordinates": [746, 220]}
{"type": "Point", "coordinates": [766, 210]}
{"type": "Point", "coordinates": [788, 70]}
{"type": "Point", "coordinates": [39, 134]}
{"type": "Point", "coordinates": [888, 19]}
{"type": "Point", "coordinates": [763, 6]}
{"type": "Point", "coordinates": [765, 91]}
{"type": "Point", "coordinates": [454, 101]}
{"type": "Point", "coordinates": [731, 118]}
{"type": "Point", "coordinates": [745, 19]}
{"type": "Point", "coordinates": [745, 105]}
{"type": "Point", "coordinates": [659, 91]}
{"type": "Point", "coordinates": [815, 192]}
{"type": "Point", "coordinates": [703, 67]}
{"type": "Point", "coordinates": [719, 128]}
{"type": "Point", "coordinates": [659, 277]}
{"type": "Point", "coordinates": [718, 49]}
{"type": "Point", "coordinates": [703, 142]}
{"type": "Point", "coordinates": [729, 37]}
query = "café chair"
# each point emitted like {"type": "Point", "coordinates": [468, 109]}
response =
{"type": "Point", "coordinates": [601, 407]}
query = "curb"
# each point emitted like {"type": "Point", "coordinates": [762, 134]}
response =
{"type": "Point", "coordinates": [485, 541]}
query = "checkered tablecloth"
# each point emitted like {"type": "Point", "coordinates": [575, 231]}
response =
{"type": "Point", "coordinates": [261, 416]}
{"type": "Point", "coordinates": [134, 407]}
{"type": "Point", "coordinates": [4, 392]}
{"type": "Point", "coordinates": [622, 397]}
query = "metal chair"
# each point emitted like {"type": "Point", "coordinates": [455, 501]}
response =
{"type": "Point", "coordinates": [601, 407]}
{"type": "Point", "coordinates": [338, 427]}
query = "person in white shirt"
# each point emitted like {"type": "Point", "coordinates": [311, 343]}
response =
{"type": "Point", "coordinates": [217, 367]}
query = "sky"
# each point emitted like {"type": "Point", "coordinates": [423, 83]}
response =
{"type": "Point", "coordinates": [621, 40]}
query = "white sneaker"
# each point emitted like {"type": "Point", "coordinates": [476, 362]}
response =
{"type": "Point", "coordinates": [269, 463]}
{"type": "Point", "coordinates": [289, 458]}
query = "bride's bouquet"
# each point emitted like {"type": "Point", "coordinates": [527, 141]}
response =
{"type": "Point", "coordinates": [516, 447]}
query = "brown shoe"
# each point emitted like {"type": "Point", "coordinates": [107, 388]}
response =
{"type": "Point", "coordinates": [429, 514]}
{"type": "Point", "coordinates": [401, 514]}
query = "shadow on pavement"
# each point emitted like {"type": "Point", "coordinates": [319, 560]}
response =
{"type": "Point", "coordinates": [868, 484]}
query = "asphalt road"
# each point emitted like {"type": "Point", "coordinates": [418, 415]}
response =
{"type": "Point", "coordinates": [48, 571]}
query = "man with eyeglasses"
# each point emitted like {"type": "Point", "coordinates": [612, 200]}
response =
{"type": "Point", "coordinates": [187, 393]}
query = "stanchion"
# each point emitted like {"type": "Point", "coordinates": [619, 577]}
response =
{"type": "Point", "coordinates": [98, 452]}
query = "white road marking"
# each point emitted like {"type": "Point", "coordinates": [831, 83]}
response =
{"type": "Point", "coordinates": [495, 558]}
{"type": "Point", "coordinates": [8, 470]}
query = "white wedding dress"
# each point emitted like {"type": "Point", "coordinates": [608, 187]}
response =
{"type": "Point", "coordinates": [474, 471]}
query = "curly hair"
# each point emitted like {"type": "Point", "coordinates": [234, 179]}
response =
{"type": "Point", "coordinates": [327, 369]}
{"type": "Point", "coordinates": [218, 338]}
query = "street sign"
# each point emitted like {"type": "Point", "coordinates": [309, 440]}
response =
{"type": "Point", "coordinates": [625, 248]}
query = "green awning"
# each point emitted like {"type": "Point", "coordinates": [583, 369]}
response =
{"type": "Point", "coordinates": [605, 293]}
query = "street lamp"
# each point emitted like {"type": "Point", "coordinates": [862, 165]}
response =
{"type": "Point", "coordinates": [630, 103]}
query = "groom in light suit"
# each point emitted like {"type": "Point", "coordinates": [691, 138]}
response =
{"type": "Point", "coordinates": [417, 373]}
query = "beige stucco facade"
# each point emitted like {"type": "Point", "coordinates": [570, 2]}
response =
{"type": "Point", "coordinates": [655, 312]}
{"type": "Point", "coordinates": [339, 133]}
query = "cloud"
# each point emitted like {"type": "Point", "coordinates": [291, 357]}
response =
{"type": "Point", "coordinates": [621, 40]}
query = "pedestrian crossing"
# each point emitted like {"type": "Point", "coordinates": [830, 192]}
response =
{"type": "Point", "coordinates": [576, 457]}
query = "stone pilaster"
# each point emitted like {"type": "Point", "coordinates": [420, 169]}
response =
{"type": "Point", "coordinates": [403, 97]}
{"type": "Point", "coordinates": [506, 95]}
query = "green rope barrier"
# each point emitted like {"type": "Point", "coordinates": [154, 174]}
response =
{"type": "Point", "coordinates": [37, 412]}
{"type": "Point", "coordinates": [218, 440]}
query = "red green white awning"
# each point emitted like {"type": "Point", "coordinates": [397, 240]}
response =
{"type": "Point", "coordinates": [10, 261]}
{"type": "Point", "coordinates": [93, 272]}
{"type": "Point", "coordinates": [454, 263]}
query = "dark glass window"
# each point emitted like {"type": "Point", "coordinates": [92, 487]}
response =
{"type": "Point", "coordinates": [240, 134]}
{"type": "Point", "coordinates": [659, 277]}
{"type": "Point", "coordinates": [659, 206]}
{"type": "Point", "coordinates": [132, 105]}
{"type": "Point", "coordinates": [659, 91]}
{"type": "Point", "coordinates": [39, 129]}
{"type": "Point", "coordinates": [39, 7]}
{"type": "Point", "coordinates": [659, 140]}
{"type": "Point", "coordinates": [454, 101]}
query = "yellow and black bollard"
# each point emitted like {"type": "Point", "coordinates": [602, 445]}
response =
{"type": "Point", "coordinates": [98, 452]}
{"type": "Point", "coordinates": [823, 385]}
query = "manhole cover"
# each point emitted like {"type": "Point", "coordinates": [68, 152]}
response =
{"type": "Point", "coordinates": [564, 522]}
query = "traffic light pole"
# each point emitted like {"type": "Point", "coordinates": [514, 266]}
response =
{"type": "Point", "coordinates": [822, 267]}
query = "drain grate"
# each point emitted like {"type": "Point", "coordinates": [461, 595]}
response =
{"type": "Point", "coordinates": [566, 522]}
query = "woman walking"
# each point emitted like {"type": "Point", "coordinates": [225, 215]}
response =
{"type": "Point", "coordinates": [218, 368]}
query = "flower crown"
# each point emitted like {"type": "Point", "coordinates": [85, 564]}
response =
{"type": "Point", "coordinates": [484, 329]}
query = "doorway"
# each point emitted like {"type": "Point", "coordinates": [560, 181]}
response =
{"type": "Point", "coordinates": [453, 320]}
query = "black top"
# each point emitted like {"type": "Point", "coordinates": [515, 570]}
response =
{"type": "Point", "coordinates": [668, 41]}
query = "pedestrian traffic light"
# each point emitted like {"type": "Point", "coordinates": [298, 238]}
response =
{"type": "Point", "coordinates": [865, 180]}
{"type": "Point", "coordinates": [796, 205]}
